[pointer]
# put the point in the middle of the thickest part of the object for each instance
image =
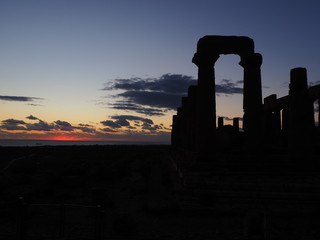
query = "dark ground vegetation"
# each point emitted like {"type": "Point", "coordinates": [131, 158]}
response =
{"type": "Point", "coordinates": [155, 192]}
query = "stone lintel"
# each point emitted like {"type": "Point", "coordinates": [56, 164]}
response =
{"type": "Point", "coordinates": [240, 45]}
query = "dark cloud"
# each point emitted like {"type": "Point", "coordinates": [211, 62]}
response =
{"type": "Point", "coordinates": [12, 127]}
{"type": "Point", "coordinates": [84, 125]}
{"type": "Point", "coordinates": [123, 122]}
{"type": "Point", "coordinates": [119, 121]}
{"type": "Point", "coordinates": [126, 123]}
{"type": "Point", "coordinates": [35, 105]}
{"type": "Point", "coordinates": [150, 127]}
{"type": "Point", "coordinates": [129, 106]}
{"type": "Point", "coordinates": [129, 127]}
{"type": "Point", "coordinates": [155, 96]}
{"type": "Point", "coordinates": [108, 130]}
{"type": "Point", "coordinates": [19, 98]}
{"type": "Point", "coordinates": [86, 128]}
{"type": "Point", "coordinates": [239, 82]}
{"type": "Point", "coordinates": [64, 126]}
{"type": "Point", "coordinates": [168, 83]}
{"type": "Point", "coordinates": [40, 126]}
{"type": "Point", "coordinates": [132, 118]}
{"type": "Point", "coordinates": [226, 86]}
{"type": "Point", "coordinates": [153, 99]}
{"type": "Point", "coordinates": [32, 117]}
{"type": "Point", "coordinates": [13, 121]}
{"type": "Point", "coordinates": [13, 124]}
{"type": "Point", "coordinates": [110, 123]}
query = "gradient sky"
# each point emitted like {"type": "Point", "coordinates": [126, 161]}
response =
{"type": "Point", "coordinates": [115, 70]}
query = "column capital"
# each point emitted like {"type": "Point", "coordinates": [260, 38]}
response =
{"type": "Point", "coordinates": [205, 59]}
{"type": "Point", "coordinates": [252, 60]}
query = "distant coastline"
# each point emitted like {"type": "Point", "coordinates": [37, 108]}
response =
{"type": "Point", "coordinates": [38, 143]}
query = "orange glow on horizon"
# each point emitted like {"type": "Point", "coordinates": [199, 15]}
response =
{"type": "Point", "coordinates": [66, 138]}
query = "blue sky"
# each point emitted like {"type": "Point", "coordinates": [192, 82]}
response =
{"type": "Point", "coordinates": [61, 54]}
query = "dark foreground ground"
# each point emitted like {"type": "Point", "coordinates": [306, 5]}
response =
{"type": "Point", "coordinates": [153, 192]}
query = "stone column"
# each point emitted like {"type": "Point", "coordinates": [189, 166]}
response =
{"type": "Point", "coordinates": [180, 133]}
{"type": "Point", "coordinates": [272, 120]}
{"type": "Point", "coordinates": [206, 102]}
{"type": "Point", "coordinates": [236, 124]}
{"type": "Point", "coordinates": [184, 122]}
{"type": "Point", "coordinates": [192, 95]}
{"type": "Point", "coordinates": [301, 114]}
{"type": "Point", "coordinates": [252, 100]}
{"type": "Point", "coordinates": [174, 131]}
{"type": "Point", "coordinates": [220, 122]}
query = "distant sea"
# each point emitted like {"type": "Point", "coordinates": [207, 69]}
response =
{"type": "Point", "coordinates": [37, 143]}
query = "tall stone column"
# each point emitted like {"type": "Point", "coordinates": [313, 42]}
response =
{"type": "Point", "coordinates": [252, 100]}
{"type": "Point", "coordinates": [185, 122]}
{"type": "Point", "coordinates": [206, 101]}
{"type": "Point", "coordinates": [174, 131]}
{"type": "Point", "coordinates": [301, 114]}
{"type": "Point", "coordinates": [192, 95]}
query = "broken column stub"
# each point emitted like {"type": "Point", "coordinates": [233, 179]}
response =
{"type": "Point", "coordinates": [236, 124]}
{"type": "Point", "coordinates": [272, 120]}
{"type": "Point", "coordinates": [220, 122]}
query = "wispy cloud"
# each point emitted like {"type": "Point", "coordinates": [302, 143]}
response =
{"type": "Point", "coordinates": [229, 119]}
{"type": "Point", "coordinates": [31, 117]}
{"type": "Point", "coordinates": [128, 105]}
{"type": "Point", "coordinates": [19, 98]}
{"type": "Point", "coordinates": [314, 83]}
{"type": "Point", "coordinates": [226, 86]}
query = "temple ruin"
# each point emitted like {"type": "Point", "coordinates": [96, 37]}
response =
{"type": "Point", "coordinates": [288, 120]}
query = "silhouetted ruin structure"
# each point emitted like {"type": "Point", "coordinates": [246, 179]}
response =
{"type": "Point", "coordinates": [265, 174]}
{"type": "Point", "coordinates": [287, 121]}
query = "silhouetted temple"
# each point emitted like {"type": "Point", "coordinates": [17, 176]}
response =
{"type": "Point", "coordinates": [287, 121]}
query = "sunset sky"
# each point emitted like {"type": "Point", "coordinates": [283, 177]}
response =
{"type": "Point", "coordinates": [116, 70]}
